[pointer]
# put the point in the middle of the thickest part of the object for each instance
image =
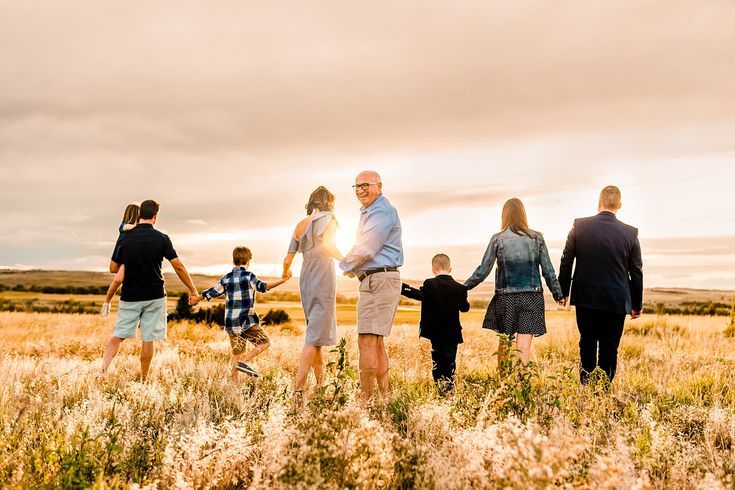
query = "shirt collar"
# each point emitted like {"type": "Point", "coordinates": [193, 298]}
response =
{"type": "Point", "coordinates": [374, 205]}
{"type": "Point", "coordinates": [144, 225]}
{"type": "Point", "coordinates": [607, 213]}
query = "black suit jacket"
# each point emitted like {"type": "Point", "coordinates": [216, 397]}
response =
{"type": "Point", "coordinates": [609, 271]}
{"type": "Point", "coordinates": [442, 298]}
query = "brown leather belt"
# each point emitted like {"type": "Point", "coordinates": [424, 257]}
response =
{"type": "Point", "coordinates": [370, 272]}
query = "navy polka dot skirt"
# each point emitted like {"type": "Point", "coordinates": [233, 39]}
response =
{"type": "Point", "coordinates": [512, 313]}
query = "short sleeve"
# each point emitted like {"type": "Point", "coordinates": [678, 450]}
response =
{"type": "Point", "coordinates": [168, 249]}
{"type": "Point", "coordinates": [117, 253]}
{"type": "Point", "coordinates": [293, 247]}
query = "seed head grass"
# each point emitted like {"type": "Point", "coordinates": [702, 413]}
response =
{"type": "Point", "coordinates": [667, 422]}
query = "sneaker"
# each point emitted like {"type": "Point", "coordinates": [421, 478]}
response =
{"type": "Point", "coordinates": [244, 368]}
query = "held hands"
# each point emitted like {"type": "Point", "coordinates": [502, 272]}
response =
{"type": "Point", "coordinates": [287, 275]}
{"type": "Point", "coordinates": [195, 299]}
{"type": "Point", "coordinates": [635, 314]}
{"type": "Point", "coordinates": [563, 302]}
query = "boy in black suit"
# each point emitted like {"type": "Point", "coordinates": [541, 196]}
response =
{"type": "Point", "coordinates": [442, 298]}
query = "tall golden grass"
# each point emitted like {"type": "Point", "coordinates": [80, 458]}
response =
{"type": "Point", "coordinates": [669, 420]}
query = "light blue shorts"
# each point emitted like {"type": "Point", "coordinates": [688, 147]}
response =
{"type": "Point", "coordinates": [150, 315]}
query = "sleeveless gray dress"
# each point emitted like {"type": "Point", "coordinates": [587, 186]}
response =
{"type": "Point", "coordinates": [318, 283]}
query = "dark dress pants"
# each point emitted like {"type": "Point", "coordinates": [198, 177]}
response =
{"type": "Point", "coordinates": [444, 356]}
{"type": "Point", "coordinates": [598, 330]}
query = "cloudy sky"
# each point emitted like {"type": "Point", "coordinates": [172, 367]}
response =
{"type": "Point", "coordinates": [229, 113]}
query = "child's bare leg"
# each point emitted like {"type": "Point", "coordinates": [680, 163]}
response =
{"type": "Point", "coordinates": [114, 286]}
{"type": "Point", "coordinates": [238, 345]}
{"type": "Point", "coordinates": [233, 363]}
{"type": "Point", "coordinates": [257, 349]}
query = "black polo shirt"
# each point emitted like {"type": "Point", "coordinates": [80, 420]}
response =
{"type": "Point", "coordinates": [142, 250]}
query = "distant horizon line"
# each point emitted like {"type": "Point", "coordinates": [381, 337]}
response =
{"type": "Point", "coordinates": [339, 277]}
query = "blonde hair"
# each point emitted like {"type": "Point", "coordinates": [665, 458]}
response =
{"type": "Point", "coordinates": [131, 214]}
{"type": "Point", "coordinates": [241, 255]}
{"type": "Point", "coordinates": [514, 217]}
{"type": "Point", "coordinates": [441, 262]}
{"type": "Point", "coordinates": [610, 197]}
{"type": "Point", "coordinates": [321, 199]}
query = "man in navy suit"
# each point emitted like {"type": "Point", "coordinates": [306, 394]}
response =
{"type": "Point", "coordinates": [607, 283]}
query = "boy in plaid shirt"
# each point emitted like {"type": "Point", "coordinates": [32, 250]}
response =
{"type": "Point", "coordinates": [241, 321]}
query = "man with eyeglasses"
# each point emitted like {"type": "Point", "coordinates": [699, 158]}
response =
{"type": "Point", "coordinates": [374, 260]}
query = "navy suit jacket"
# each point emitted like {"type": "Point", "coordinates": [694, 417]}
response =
{"type": "Point", "coordinates": [442, 298]}
{"type": "Point", "coordinates": [608, 275]}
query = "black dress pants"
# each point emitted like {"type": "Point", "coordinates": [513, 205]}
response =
{"type": "Point", "coordinates": [444, 356]}
{"type": "Point", "coordinates": [598, 330]}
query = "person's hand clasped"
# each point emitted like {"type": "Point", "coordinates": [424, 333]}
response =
{"type": "Point", "coordinates": [635, 314]}
{"type": "Point", "coordinates": [287, 275]}
{"type": "Point", "coordinates": [194, 299]}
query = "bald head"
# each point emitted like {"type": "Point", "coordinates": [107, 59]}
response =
{"type": "Point", "coordinates": [368, 187]}
{"type": "Point", "coordinates": [368, 176]}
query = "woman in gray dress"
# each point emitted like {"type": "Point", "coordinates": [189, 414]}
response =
{"type": "Point", "coordinates": [314, 237]}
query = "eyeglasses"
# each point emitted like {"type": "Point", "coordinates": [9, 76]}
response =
{"type": "Point", "coordinates": [364, 187]}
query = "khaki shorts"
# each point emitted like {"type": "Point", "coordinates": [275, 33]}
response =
{"type": "Point", "coordinates": [255, 334]}
{"type": "Point", "coordinates": [376, 308]}
{"type": "Point", "coordinates": [150, 315]}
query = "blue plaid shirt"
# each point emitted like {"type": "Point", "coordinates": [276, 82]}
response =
{"type": "Point", "coordinates": [240, 286]}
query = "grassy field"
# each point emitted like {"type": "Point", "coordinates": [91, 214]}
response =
{"type": "Point", "coordinates": [347, 287]}
{"type": "Point", "coordinates": [669, 421]}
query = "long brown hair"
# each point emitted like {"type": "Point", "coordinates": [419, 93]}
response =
{"type": "Point", "coordinates": [514, 217]}
{"type": "Point", "coordinates": [321, 199]}
{"type": "Point", "coordinates": [131, 214]}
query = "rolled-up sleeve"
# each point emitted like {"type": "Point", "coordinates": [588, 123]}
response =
{"type": "Point", "coordinates": [371, 239]}
{"type": "Point", "coordinates": [260, 286]}
{"type": "Point", "coordinates": [215, 291]}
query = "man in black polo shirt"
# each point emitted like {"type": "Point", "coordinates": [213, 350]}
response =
{"type": "Point", "coordinates": [143, 298]}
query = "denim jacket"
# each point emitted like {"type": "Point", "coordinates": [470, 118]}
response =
{"type": "Point", "coordinates": [519, 258]}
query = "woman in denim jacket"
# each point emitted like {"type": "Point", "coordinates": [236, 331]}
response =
{"type": "Point", "coordinates": [517, 308]}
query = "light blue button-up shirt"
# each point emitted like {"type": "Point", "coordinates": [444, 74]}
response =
{"type": "Point", "coordinates": [378, 241]}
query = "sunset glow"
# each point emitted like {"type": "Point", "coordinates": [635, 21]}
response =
{"type": "Point", "coordinates": [231, 144]}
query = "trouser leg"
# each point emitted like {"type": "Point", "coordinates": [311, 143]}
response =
{"type": "Point", "coordinates": [444, 357]}
{"type": "Point", "coordinates": [587, 324]}
{"type": "Point", "coordinates": [610, 341]}
{"type": "Point", "coordinates": [436, 362]}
